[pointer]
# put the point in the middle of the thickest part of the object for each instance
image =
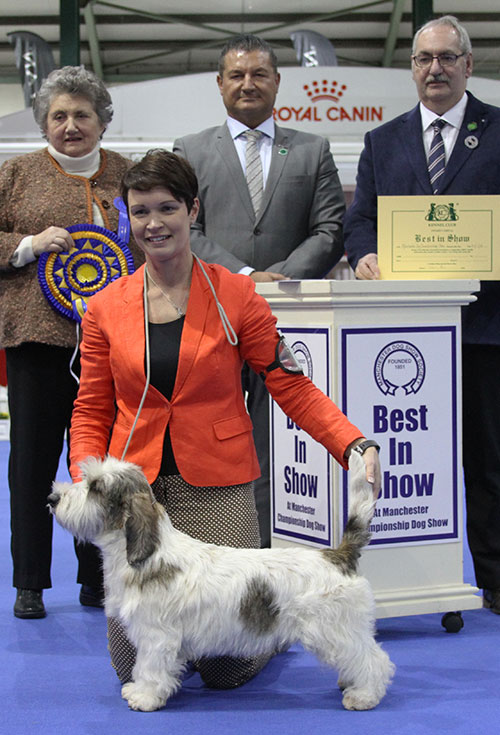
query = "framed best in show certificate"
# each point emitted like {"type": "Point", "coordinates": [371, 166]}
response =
{"type": "Point", "coordinates": [435, 237]}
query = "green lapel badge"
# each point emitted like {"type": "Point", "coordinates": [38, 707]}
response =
{"type": "Point", "coordinates": [472, 126]}
{"type": "Point", "coordinates": [283, 151]}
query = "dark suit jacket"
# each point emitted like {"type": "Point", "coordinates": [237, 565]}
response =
{"type": "Point", "coordinates": [298, 231]}
{"type": "Point", "coordinates": [393, 162]}
{"type": "Point", "coordinates": [210, 429]}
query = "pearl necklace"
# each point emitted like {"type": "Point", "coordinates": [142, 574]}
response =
{"type": "Point", "coordinates": [179, 309]}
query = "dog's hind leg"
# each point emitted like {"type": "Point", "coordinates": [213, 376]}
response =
{"type": "Point", "coordinates": [365, 675]}
{"type": "Point", "coordinates": [157, 671]}
{"type": "Point", "coordinates": [342, 637]}
{"type": "Point", "coordinates": [365, 670]}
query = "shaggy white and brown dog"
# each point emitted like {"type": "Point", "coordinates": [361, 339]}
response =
{"type": "Point", "coordinates": [180, 599]}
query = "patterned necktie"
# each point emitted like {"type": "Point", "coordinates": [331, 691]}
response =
{"type": "Point", "coordinates": [253, 167]}
{"type": "Point", "coordinates": [436, 161]}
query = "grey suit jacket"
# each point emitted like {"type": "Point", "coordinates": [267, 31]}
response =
{"type": "Point", "coordinates": [298, 231]}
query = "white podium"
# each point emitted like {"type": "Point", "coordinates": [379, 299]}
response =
{"type": "Point", "coordinates": [389, 354]}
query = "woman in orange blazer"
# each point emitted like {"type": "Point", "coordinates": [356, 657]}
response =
{"type": "Point", "coordinates": [210, 429]}
{"type": "Point", "coordinates": [161, 359]}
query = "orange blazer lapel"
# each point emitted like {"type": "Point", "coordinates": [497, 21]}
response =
{"type": "Point", "coordinates": [194, 326]}
{"type": "Point", "coordinates": [129, 314]}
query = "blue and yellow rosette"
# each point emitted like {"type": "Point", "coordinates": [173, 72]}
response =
{"type": "Point", "coordinates": [97, 258]}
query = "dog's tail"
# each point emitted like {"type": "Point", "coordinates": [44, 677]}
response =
{"type": "Point", "coordinates": [357, 531]}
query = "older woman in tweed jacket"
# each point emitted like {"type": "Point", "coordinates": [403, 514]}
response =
{"type": "Point", "coordinates": [72, 181]}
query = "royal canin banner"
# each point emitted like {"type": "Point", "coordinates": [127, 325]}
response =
{"type": "Point", "coordinates": [340, 103]}
{"type": "Point", "coordinates": [331, 101]}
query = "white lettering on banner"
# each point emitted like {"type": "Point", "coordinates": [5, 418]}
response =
{"type": "Point", "coordinates": [418, 438]}
{"type": "Point", "coordinates": [300, 467]}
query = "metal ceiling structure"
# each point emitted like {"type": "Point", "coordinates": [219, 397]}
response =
{"type": "Point", "coordinates": [122, 42]}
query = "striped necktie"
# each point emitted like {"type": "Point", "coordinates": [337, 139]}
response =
{"type": "Point", "coordinates": [253, 166]}
{"type": "Point", "coordinates": [436, 162]}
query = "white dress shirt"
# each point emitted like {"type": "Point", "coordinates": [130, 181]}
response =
{"type": "Point", "coordinates": [454, 119]}
{"type": "Point", "coordinates": [265, 144]}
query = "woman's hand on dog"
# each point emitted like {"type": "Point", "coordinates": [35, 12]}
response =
{"type": "Point", "coordinates": [373, 471]}
{"type": "Point", "coordinates": [372, 464]}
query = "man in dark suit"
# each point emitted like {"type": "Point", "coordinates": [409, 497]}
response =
{"type": "Point", "coordinates": [395, 161]}
{"type": "Point", "coordinates": [292, 228]}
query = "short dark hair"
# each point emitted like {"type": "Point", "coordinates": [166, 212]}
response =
{"type": "Point", "coordinates": [246, 42]}
{"type": "Point", "coordinates": [161, 168]}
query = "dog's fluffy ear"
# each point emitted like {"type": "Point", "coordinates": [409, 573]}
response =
{"type": "Point", "coordinates": [97, 485]}
{"type": "Point", "coordinates": [141, 529]}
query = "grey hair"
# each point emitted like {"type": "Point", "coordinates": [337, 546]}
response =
{"type": "Point", "coordinates": [452, 22]}
{"type": "Point", "coordinates": [74, 80]}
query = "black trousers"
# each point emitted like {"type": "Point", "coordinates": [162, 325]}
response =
{"type": "Point", "coordinates": [258, 408]}
{"type": "Point", "coordinates": [481, 455]}
{"type": "Point", "coordinates": [41, 392]}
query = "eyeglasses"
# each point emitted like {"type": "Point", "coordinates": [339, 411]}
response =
{"type": "Point", "coordinates": [424, 60]}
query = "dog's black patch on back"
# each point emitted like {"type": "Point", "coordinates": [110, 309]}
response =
{"type": "Point", "coordinates": [258, 608]}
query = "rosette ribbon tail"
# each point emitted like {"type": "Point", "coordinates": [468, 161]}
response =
{"type": "Point", "coordinates": [79, 308]}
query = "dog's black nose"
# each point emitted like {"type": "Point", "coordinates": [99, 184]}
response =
{"type": "Point", "coordinates": [53, 499]}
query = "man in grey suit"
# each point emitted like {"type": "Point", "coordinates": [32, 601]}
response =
{"type": "Point", "coordinates": [292, 229]}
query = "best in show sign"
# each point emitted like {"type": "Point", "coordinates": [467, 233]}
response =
{"type": "Point", "coordinates": [300, 467]}
{"type": "Point", "coordinates": [399, 386]}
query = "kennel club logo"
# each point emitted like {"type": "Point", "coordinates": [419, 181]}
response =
{"type": "Point", "coordinates": [442, 213]}
{"type": "Point", "coordinates": [323, 99]}
{"type": "Point", "coordinates": [399, 366]}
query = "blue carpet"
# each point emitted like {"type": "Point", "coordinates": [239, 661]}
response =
{"type": "Point", "coordinates": [56, 675]}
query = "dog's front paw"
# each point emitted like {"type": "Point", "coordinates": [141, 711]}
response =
{"type": "Point", "coordinates": [141, 697]}
{"type": "Point", "coordinates": [358, 699]}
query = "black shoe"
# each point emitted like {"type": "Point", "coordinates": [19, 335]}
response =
{"type": "Point", "coordinates": [29, 604]}
{"type": "Point", "coordinates": [491, 600]}
{"type": "Point", "coordinates": [91, 596]}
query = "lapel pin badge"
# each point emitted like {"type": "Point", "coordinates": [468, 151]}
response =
{"type": "Point", "coordinates": [472, 126]}
{"type": "Point", "coordinates": [471, 142]}
{"type": "Point", "coordinates": [283, 151]}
